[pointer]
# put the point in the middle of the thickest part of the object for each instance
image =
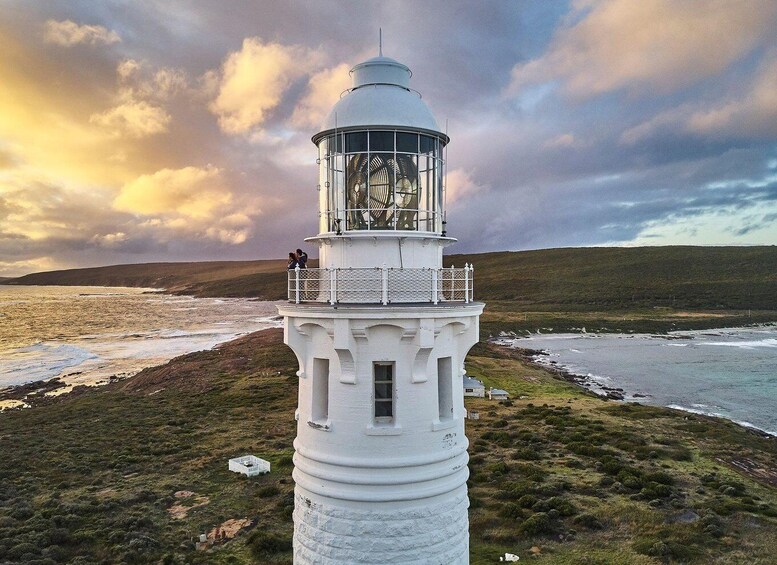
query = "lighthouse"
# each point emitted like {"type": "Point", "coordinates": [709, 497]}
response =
{"type": "Point", "coordinates": [380, 331]}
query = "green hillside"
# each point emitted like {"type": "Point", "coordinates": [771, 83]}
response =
{"type": "Point", "coordinates": [618, 277]}
{"type": "Point", "coordinates": [601, 288]}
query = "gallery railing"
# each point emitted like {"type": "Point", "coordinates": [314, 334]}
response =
{"type": "Point", "coordinates": [381, 285]}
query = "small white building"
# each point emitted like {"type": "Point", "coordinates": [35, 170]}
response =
{"type": "Point", "coordinates": [474, 387]}
{"type": "Point", "coordinates": [249, 465]}
{"type": "Point", "coordinates": [498, 394]}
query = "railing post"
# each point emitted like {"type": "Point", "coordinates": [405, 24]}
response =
{"type": "Point", "coordinates": [384, 284]}
{"type": "Point", "coordinates": [296, 278]}
{"type": "Point", "coordinates": [472, 283]}
{"type": "Point", "coordinates": [435, 278]}
{"type": "Point", "coordinates": [332, 285]}
{"type": "Point", "coordinates": [466, 283]}
{"type": "Point", "coordinates": [453, 282]}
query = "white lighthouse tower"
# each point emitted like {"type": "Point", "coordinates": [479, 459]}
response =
{"type": "Point", "coordinates": [380, 332]}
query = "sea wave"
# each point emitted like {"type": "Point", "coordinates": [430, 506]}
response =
{"type": "Point", "coordinates": [41, 361]}
{"type": "Point", "coordinates": [751, 344]}
{"type": "Point", "coordinates": [715, 414]}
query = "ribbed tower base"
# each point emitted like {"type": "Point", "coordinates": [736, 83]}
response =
{"type": "Point", "coordinates": [391, 491]}
{"type": "Point", "coordinates": [426, 531]}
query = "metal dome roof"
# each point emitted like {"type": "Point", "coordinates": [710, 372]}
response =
{"type": "Point", "coordinates": [380, 96]}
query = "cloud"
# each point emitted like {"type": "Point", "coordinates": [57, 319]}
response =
{"type": "Point", "coordinates": [750, 111]}
{"type": "Point", "coordinates": [648, 46]}
{"type": "Point", "coordinates": [68, 33]}
{"type": "Point", "coordinates": [135, 118]}
{"type": "Point", "coordinates": [23, 266]}
{"type": "Point", "coordinates": [563, 141]}
{"type": "Point", "coordinates": [190, 192]}
{"type": "Point", "coordinates": [127, 69]}
{"type": "Point", "coordinates": [142, 92]}
{"type": "Point", "coordinates": [6, 159]}
{"type": "Point", "coordinates": [254, 80]}
{"type": "Point", "coordinates": [34, 210]}
{"type": "Point", "coordinates": [324, 89]}
{"type": "Point", "coordinates": [459, 186]}
{"type": "Point", "coordinates": [233, 229]}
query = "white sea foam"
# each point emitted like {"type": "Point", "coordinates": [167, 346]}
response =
{"type": "Point", "coordinates": [751, 344]}
{"type": "Point", "coordinates": [40, 361]}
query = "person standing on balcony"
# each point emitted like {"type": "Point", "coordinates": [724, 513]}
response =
{"type": "Point", "coordinates": [302, 259]}
{"type": "Point", "coordinates": [293, 263]}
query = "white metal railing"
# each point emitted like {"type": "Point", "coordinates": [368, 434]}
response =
{"type": "Point", "coordinates": [381, 285]}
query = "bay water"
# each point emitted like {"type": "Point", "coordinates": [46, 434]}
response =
{"type": "Point", "coordinates": [730, 373]}
{"type": "Point", "coordinates": [85, 335]}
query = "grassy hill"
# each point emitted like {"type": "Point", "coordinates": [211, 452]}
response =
{"type": "Point", "coordinates": [608, 289]}
{"type": "Point", "coordinates": [619, 277]}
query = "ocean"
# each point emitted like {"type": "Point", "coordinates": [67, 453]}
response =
{"type": "Point", "coordinates": [730, 373]}
{"type": "Point", "coordinates": [85, 335]}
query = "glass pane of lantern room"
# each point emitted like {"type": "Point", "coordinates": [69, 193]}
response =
{"type": "Point", "coordinates": [356, 191]}
{"type": "Point", "coordinates": [381, 195]}
{"type": "Point", "coordinates": [381, 141]}
{"type": "Point", "coordinates": [356, 142]}
{"type": "Point", "coordinates": [427, 144]}
{"type": "Point", "coordinates": [337, 186]}
{"type": "Point", "coordinates": [426, 178]}
{"type": "Point", "coordinates": [439, 189]}
{"type": "Point", "coordinates": [407, 191]}
{"type": "Point", "coordinates": [407, 142]}
{"type": "Point", "coordinates": [323, 189]}
{"type": "Point", "coordinates": [335, 144]}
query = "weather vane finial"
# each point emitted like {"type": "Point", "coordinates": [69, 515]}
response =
{"type": "Point", "coordinates": [380, 41]}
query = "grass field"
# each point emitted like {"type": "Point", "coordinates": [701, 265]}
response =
{"type": "Point", "coordinates": [96, 476]}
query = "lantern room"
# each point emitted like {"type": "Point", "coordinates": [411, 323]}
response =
{"type": "Point", "coordinates": [381, 156]}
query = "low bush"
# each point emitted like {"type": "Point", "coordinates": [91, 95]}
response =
{"type": "Point", "coordinates": [263, 543]}
{"type": "Point", "coordinates": [536, 524]}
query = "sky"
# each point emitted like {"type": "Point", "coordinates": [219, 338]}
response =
{"type": "Point", "coordinates": [165, 130]}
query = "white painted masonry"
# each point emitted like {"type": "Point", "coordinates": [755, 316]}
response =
{"type": "Point", "coordinates": [380, 454]}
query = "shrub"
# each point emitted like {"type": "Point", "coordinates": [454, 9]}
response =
{"type": "Point", "coordinates": [660, 477]}
{"type": "Point", "coordinates": [588, 521]}
{"type": "Point", "coordinates": [285, 461]}
{"type": "Point", "coordinates": [268, 491]}
{"type": "Point", "coordinates": [262, 543]}
{"type": "Point", "coordinates": [655, 490]}
{"type": "Point", "coordinates": [536, 524]}
{"type": "Point", "coordinates": [20, 549]}
{"type": "Point", "coordinates": [511, 510]}
{"type": "Point", "coordinates": [527, 454]}
{"type": "Point", "coordinates": [499, 468]}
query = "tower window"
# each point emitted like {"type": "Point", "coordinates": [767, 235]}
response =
{"type": "Point", "coordinates": [445, 388]}
{"type": "Point", "coordinates": [384, 392]}
{"type": "Point", "coordinates": [320, 391]}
